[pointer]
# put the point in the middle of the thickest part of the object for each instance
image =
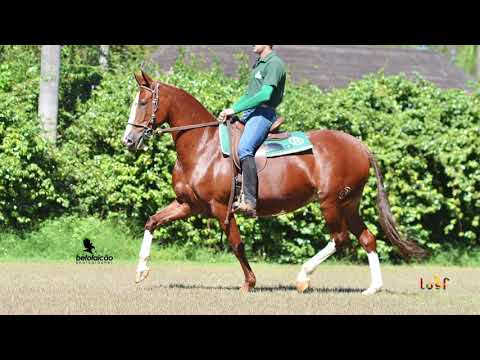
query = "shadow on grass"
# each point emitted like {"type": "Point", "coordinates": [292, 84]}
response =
{"type": "Point", "coordinates": [277, 288]}
{"type": "Point", "coordinates": [274, 288]}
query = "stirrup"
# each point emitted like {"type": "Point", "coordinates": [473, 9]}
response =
{"type": "Point", "coordinates": [244, 208]}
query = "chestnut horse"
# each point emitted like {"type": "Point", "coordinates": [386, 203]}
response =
{"type": "Point", "coordinates": [334, 173]}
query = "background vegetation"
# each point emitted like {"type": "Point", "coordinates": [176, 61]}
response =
{"type": "Point", "coordinates": [426, 139]}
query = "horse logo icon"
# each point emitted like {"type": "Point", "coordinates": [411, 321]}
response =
{"type": "Point", "coordinates": [88, 246]}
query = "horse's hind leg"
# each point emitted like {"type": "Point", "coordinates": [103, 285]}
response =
{"type": "Point", "coordinates": [174, 211]}
{"type": "Point", "coordinates": [368, 242]}
{"type": "Point", "coordinates": [339, 235]}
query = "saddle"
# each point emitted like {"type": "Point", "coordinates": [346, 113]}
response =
{"type": "Point", "coordinates": [260, 156]}
{"type": "Point", "coordinates": [275, 145]}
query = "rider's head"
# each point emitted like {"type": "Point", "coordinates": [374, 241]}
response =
{"type": "Point", "coordinates": [260, 49]}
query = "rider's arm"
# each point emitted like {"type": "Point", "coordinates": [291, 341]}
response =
{"type": "Point", "coordinates": [243, 98]}
{"type": "Point", "coordinates": [246, 103]}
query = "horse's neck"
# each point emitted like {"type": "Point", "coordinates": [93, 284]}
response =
{"type": "Point", "coordinates": [186, 110]}
{"type": "Point", "coordinates": [190, 144]}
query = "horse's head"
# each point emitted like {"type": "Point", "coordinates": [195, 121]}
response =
{"type": "Point", "coordinates": [149, 110]}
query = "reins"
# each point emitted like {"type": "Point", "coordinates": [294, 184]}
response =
{"type": "Point", "coordinates": [150, 130]}
{"type": "Point", "coordinates": [186, 127]}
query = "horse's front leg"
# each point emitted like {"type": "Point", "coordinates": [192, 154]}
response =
{"type": "Point", "coordinates": [174, 211]}
{"type": "Point", "coordinates": [236, 244]}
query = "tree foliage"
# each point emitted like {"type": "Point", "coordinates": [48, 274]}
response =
{"type": "Point", "coordinates": [425, 138]}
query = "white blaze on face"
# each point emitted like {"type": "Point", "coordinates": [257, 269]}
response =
{"type": "Point", "coordinates": [131, 119]}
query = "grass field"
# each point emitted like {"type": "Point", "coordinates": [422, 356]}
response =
{"type": "Point", "coordinates": [189, 288]}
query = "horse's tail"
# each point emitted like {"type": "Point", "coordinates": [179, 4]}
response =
{"type": "Point", "coordinates": [408, 249]}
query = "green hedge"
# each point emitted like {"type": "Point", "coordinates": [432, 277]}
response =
{"type": "Point", "coordinates": [426, 139]}
{"type": "Point", "coordinates": [30, 188]}
{"type": "Point", "coordinates": [33, 184]}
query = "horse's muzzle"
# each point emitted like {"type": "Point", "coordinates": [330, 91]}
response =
{"type": "Point", "coordinates": [132, 142]}
{"type": "Point", "coordinates": [129, 142]}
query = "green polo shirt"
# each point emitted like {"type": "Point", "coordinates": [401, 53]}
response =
{"type": "Point", "coordinates": [269, 71]}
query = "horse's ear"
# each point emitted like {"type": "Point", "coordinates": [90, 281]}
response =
{"type": "Point", "coordinates": [148, 80]}
{"type": "Point", "coordinates": [139, 79]}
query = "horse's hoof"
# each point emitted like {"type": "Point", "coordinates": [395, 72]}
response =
{"type": "Point", "coordinates": [371, 291]}
{"type": "Point", "coordinates": [141, 276]}
{"type": "Point", "coordinates": [302, 286]}
{"type": "Point", "coordinates": [246, 288]}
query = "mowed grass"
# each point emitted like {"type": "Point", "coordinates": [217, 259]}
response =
{"type": "Point", "coordinates": [178, 288]}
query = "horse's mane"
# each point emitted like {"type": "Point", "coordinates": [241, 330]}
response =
{"type": "Point", "coordinates": [182, 93]}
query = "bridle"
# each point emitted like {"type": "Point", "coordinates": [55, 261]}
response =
{"type": "Point", "coordinates": [151, 129]}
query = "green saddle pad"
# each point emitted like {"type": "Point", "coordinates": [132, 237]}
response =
{"type": "Point", "coordinates": [296, 142]}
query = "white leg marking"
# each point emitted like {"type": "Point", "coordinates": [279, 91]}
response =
{"type": "Point", "coordinates": [145, 251]}
{"type": "Point", "coordinates": [310, 266]}
{"type": "Point", "coordinates": [131, 119]}
{"type": "Point", "coordinates": [375, 273]}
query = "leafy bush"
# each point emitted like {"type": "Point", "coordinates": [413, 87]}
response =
{"type": "Point", "coordinates": [29, 186]}
{"type": "Point", "coordinates": [425, 138]}
{"type": "Point", "coordinates": [32, 186]}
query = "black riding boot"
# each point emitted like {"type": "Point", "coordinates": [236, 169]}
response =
{"type": "Point", "coordinates": [249, 171]}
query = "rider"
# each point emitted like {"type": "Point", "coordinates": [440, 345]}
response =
{"type": "Point", "coordinates": [264, 95]}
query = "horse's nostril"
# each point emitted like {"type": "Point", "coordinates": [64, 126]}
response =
{"type": "Point", "coordinates": [128, 141]}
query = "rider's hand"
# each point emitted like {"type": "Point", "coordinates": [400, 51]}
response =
{"type": "Point", "coordinates": [224, 114]}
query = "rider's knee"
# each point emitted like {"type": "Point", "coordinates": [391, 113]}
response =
{"type": "Point", "coordinates": [244, 152]}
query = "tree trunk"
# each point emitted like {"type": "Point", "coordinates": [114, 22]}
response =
{"type": "Point", "coordinates": [104, 56]}
{"type": "Point", "coordinates": [477, 48]}
{"type": "Point", "coordinates": [48, 101]}
{"type": "Point", "coordinates": [453, 54]}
